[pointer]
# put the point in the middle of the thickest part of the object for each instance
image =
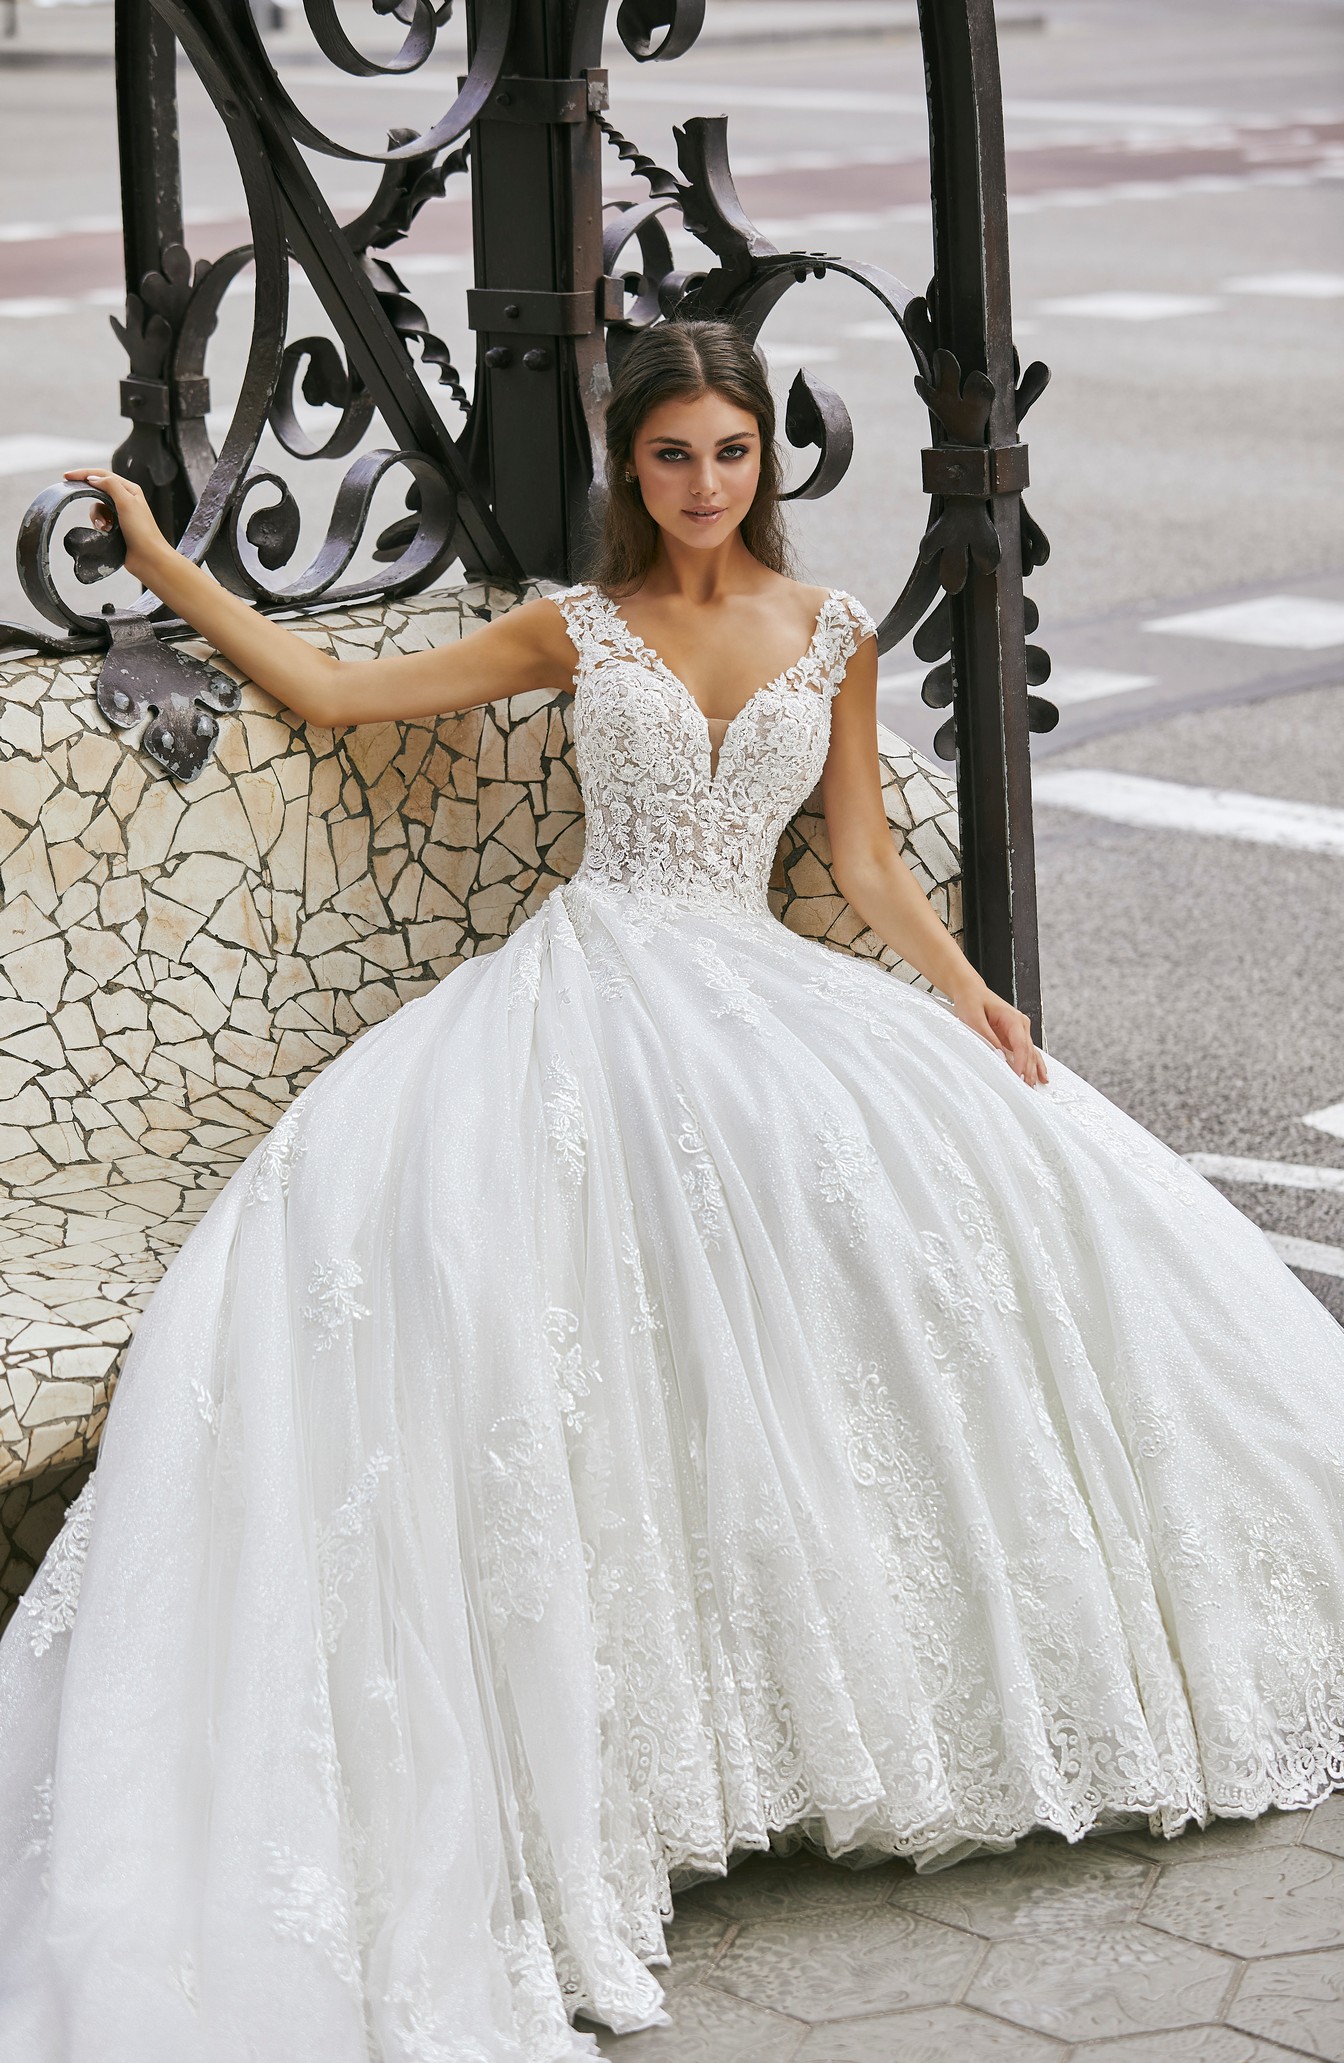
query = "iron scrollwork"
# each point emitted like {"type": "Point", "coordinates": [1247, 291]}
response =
{"type": "Point", "coordinates": [564, 281]}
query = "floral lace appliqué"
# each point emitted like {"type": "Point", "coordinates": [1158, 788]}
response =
{"type": "Point", "coordinates": [276, 1157]}
{"type": "Point", "coordinates": [340, 1545]}
{"type": "Point", "coordinates": [52, 1599]}
{"type": "Point", "coordinates": [700, 1177]}
{"type": "Point", "coordinates": [309, 1906]}
{"type": "Point", "coordinates": [565, 1128]}
{"type": "Point", "coordinates": [846, 1167]}
{"type": "Point", "coordinates": [334, 1306]}
{"type": "Point", "coordinates": [573, 1381]}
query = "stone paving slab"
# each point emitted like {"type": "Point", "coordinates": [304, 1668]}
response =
{"type": "Point", "coordinates": [1220, 1946]}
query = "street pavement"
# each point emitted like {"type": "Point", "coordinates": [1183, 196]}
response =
{"type": "Point", "coordinates": [1225, 1946]}
{"type": "Point", "coordinates": [1178, 261]}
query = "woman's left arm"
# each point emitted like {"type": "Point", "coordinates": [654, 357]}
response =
{"type": "Point", "coordinates": [875, 881]}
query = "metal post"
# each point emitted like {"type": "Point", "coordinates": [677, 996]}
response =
{"type": "Point", "coordinates": [972, 319]}
{"type": "Point", "coordinates": [151, 222]}
{"type": "Point", "coordinates": [537, 228]}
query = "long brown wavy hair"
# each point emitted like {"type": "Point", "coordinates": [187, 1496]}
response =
{"type": "Point", "coordinates": [679, 361]}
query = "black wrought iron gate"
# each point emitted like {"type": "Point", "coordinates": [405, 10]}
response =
{"type": "Point", "coordinates": [561, 285]}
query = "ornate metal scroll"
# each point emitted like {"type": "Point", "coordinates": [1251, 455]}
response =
{"type": "Point", "coordinates": [559, 292]}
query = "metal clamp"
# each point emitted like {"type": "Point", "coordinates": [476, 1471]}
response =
{"type": "Point", "coordinates": [547, 100]}
{"type": "Point", "coordinates": [977, 470]}
{"type": "Point", "coordinates": [530, 312]}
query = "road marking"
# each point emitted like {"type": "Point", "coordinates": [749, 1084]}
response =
{"type": "Point", "coordinates": [1330, 1120]}
{"type": "Point", "coordinates": [1268, 1174]}
{"type": "Point", "coordinates": [26, 307]}
{"type": "Point", "coordinates": [1066, 685]}
{"type": "Point", "coordinates": [1310, 1254]}
{"type": "Point", "coordinates": [1070, 684]}
{"type": "Point", "coordinates": [1299, 623]}
{"type": "Point", "coordinates": [794, 226]}
{"type": "Point", "coordinates": [1123, 306]}
{"type": "Point", "coordinates": [1299, 286]}
{"type": "Point", "coordinates": [412, 263]}
{"type": "Point", "coordinates": [34, 454]}
{"type": "Point", "coordinates": [846, 100]}
{"type": "Point", "coordinates": [798, 354]}
{"type": "Point", "coordinates": [110, 225]}
{"type": "Point", "coordinates": [1208, 812]}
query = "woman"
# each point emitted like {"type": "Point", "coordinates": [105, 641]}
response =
{"type": "Point", "coordinates": [667, 1390]}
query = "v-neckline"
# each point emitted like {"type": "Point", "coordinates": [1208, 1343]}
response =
{"type": "Point", "coordinates": [646, 651]}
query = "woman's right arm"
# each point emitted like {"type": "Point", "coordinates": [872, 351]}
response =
{"type": "Point", "coordinates": [525, 648]}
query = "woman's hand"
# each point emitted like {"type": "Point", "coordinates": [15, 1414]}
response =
{"type": "Point", "coordinates": [1006, 1029]}
{"type": "Point", "coordinates": [522, 650]}
{"type": "Point", "coordinates": [146, 544]}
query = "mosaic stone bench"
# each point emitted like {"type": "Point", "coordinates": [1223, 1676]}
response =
{"type": "Point", "coordinates": [176, 963]}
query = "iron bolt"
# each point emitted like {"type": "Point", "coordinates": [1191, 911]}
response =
{"type": "Point", "coordinates": [536, 360]}
{"type": "Point", "coordinates": [498, 356]}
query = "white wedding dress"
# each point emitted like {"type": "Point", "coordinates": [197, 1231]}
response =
{"type": "Point", "coordinates": [669, 1387]}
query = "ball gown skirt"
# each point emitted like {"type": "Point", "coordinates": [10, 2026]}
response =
{"type": "Point", "coordinates": [667, 1388]}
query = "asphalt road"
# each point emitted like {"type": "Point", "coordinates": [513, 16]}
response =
{"type": "Point", "coordinates": [1178, 261]}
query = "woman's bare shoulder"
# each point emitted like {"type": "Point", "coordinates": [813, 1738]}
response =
{"type": "Point", "coordinates": [800, 596]}
{"type": "Point", "coordinates": [536, 636]}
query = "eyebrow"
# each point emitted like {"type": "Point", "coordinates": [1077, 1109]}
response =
{"type": "Point", "coordinates": [684, 443]}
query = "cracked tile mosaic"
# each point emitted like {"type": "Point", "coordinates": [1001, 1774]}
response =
{"type": "Point", "coordinates": [176, 963]}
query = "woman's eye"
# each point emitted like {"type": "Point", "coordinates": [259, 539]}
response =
{"type": "Point", "coordinates": [733, 451]}
{"type": "Point", "coordinates": [670, 453]}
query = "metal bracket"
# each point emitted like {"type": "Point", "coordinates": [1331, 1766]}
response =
{"type": "Point", "coordinates": [141, 675]}
{"type": "Point", "coordinates": [547, 100]}
{"type": "Point", "coordinates": [146, 400]}
{"type": "Point", "coordinates": [979, 470]}
{"type": "Point", "coordinates": [531, 312]}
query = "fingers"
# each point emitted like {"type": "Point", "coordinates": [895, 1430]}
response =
{"type": "Point", "coordinates": [111, 483]}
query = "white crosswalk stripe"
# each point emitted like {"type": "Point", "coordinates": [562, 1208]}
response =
{"type": "Point", "coordinates": [1310, 1254]}
{"type": "Point", "coordinates": [1293, 286]}
{"type": "Point", "coordinates": [1295, 623]}
{"type": "Point", "coordinates": [1268, 1174]}
{"type": "Point", "coordinates": [1179, 806]}
{"type": "Point", "coordinates": [1130, 305]}
{"type": "Point", "coordinates": [32, 453]}
{"type": "Point", "coordinates": [1330, 1120]}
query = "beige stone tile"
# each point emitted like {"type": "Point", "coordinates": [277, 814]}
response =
{"type": "Point", "coordinates": [834, 1964]}
{"type": "Point", "coordinates": [1270, 1900]}
{"type": "Point", "coordinates": [25, 785]}
{"type": "Point", "coordinates": [150, 829]}
{"type": "Point", "coordinates": [708, 2027]}
{"type": "Point", "coordinates": [1195, 1845]}
{"type": "Point", "coordinates": [927, 2034]}
{"type": "Point", "coordinates": [101, 954]}
{"type": "Point", "coordinates": [38, 972]}
{"type": "Point", "coordinates": [1191, 2045]}
{"type": "Point", "coordinates": [1297, 2000]}
{"type": "Point", "coordinates": [27, 872]}
{"type": "Point", "coordinates": [1325, 1826]}
{"type": "Point", "coordinates": [1101, 1980]}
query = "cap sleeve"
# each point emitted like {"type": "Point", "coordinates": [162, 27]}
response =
{"type": "Point", "coordinates": [850, 625]}
{"type": "Point", "coordinates": [581, 607]}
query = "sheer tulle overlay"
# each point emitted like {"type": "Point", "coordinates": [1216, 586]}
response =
{"type": "Point", "coordinates": [667, 1388]}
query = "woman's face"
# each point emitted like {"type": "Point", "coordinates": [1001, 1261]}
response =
{"type": "Point", "coordinates": [698, 463]}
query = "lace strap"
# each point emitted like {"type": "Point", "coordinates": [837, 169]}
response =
{"type": "Point", "coordinates": [586, 617]}
{"type": "Point", "coordinates": [848, 624]}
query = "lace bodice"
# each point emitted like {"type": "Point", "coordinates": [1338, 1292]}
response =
{"type": "Point", "coordinates": [663, 815]}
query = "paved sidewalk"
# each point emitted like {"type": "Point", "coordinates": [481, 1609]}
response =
{"type": "Point", "coordinates": [1219, 1947]}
